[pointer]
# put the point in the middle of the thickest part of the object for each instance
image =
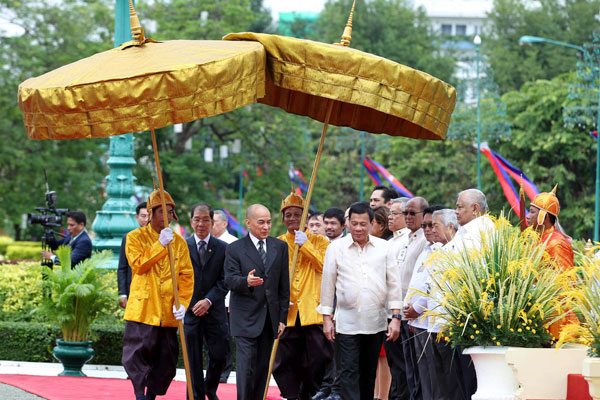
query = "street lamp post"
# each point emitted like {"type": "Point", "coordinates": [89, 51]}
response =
{"type": "Point", "coordinates": [477, 43]}
{"type": "Point", "coordinates": [595, 68]}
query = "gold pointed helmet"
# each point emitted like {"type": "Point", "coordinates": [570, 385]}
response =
{"type": "Point", "coordinates": [548, 203]}
{"type": "Point", "coordinates": [154, 201]}
{"type": "Point", "coordinates": [293, 200]}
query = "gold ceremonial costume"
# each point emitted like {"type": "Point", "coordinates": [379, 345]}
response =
{"type": "Point", "coordinates": [305, 289]}
{"type": "Point", "coordinates": [151, 295]}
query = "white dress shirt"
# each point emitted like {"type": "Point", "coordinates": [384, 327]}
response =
{"type": "Point", "coordinates": [227, 237]}
{"type": "Point", "coordinates": [418, 289]}
{"type": "Point", "coordinates": [364, 281]}
{"type": "Point", "coordinates": [255, 241]}
{"type": "Point", "coordinates": [471, 234]}
{"type": "Point", "coordinates": [406, 250]}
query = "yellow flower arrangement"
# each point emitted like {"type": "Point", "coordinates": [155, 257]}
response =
{"type": "Point", "coordinates": [585, 298]}
{"type": "Point", "coordinates": [507, 293]}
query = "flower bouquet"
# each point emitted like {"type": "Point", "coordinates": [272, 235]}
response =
{"type": "Point", "coordinates": [506, 293]}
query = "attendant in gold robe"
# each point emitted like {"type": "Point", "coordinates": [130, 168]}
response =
{"type": "Point", "coordinates": [150, 347]}
{"type": "Point", "coordinates": [543, 217]}
{"type": "Point", "coordinates": [303, 351]}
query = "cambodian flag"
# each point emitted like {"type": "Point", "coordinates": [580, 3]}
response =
{"type": "Point", "coordinates": [377, 171]}
{"type": "Point", "coordinates": [504, 170]}
{"type": "Point", "coordinates": [298, 178]}
{"type": "Point", "coordinates": [234, 224]}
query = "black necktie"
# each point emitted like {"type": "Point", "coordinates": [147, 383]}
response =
{"type": "Point", "coordinates": [262, 252]}
{"type": "Point", "coordinates": [202, 251]}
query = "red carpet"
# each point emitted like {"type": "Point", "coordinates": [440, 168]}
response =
{"type": "Point", "coordinates": [72, 388]}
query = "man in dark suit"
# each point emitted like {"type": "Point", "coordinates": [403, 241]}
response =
{"type": "Point", "coordinates": [123, 269]}
{"type": "Point", "coordinates": [256, 272]}
{"type": "Point", "coordinates": [77, 239]}
{"type": "Point", "coordinates": [206, 319]}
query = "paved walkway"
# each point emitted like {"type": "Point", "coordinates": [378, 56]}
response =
{"type": "Point", "coordinates": [12, 393]}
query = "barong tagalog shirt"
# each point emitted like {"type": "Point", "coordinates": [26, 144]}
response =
{"type": "Point", "coordinates": [151, 296]}
{"type": "Point", "coordinates": [364, 280]}
{"type": "Point", "coordinates": [471, 234]}
{"type": "Point", "coordinates": [305, 288]}
{"type": "Point", "coordinates": [405, 251]}
{"type": "Point", "coordinates": [418, 289]}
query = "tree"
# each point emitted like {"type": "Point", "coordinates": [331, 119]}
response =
{"type": "Point", "coordinates": [571, 21]}
{"type": "Point", "coordinates": [53, 34]}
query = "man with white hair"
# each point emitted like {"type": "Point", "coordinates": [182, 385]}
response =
{"type": "Point", "coordinates": [219, 229]}
{"type": "Point", "coordinates": [471, 214]}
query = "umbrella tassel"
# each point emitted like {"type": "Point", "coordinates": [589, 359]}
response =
{"type": "Point", "coordinates": [163, 206]}
{"type": "Point", "coordinates": [313, 178]}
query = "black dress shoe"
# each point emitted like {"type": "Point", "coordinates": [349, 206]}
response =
{"type": "Point", "coordinates": [320, 395]}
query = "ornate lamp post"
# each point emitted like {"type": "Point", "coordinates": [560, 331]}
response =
{"type": "Point", "coordinates": [477, 43]}
{"type": "Point", "coordinates": [595, 65]}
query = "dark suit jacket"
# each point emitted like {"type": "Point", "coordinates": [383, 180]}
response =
{"type": "Point", "coordinates": [248, 306]}
{"type": "Point", "coordinates": [208, 280]}
{"type": "Point", "coordinates": [123, 270]}
{"type": "Point", "coordinates": [81, 248]}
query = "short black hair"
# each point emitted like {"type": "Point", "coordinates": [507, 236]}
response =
{"type": "Point", "coordinates": [431, 209]}
{"type": "Point", "coordinates": [77, 216]}
{"type": "Point", "coordinates": [315, 214]}
{"type": "Point", "coordinates": [203, 207]}
{"type": "Point", "coordinates": [386, 193]}
{"type": "Point", "coordinates": [361, 207]}
{"type": "Point", "coordinates": [336, 213]}
{"type": "Point", "coordinates": [139, 207]}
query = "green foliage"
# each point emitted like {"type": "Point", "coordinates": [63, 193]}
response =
{"type": "Point", "coordinates": [505, 294]}
{"type": "Point", "coordinates": [33, 342]}
{"type": "Point", "coordinates": [20, 291]}
{"type": "Point", "coordinates": [567, 21]}
{"type": "Point", "coordinates": [4, 242]}
{"type": "Point", "coordinates": [20, 252]}
{"type": "Point", "coordinates": [76, 297]}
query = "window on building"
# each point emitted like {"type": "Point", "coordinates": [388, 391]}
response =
{"type": "Point", "coordinates": [461, 30]}
{"type": "Point", "coordinates": [446, 29]}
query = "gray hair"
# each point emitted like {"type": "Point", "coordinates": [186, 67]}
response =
{"type": "Point", "coordinates": [476, 196]}
{"type": "Point", "coordinates": [448, 217]}
{"type": "Point", "coordinates": [221, 215]}
{"type": "Point", "coordinates": [401, 200]}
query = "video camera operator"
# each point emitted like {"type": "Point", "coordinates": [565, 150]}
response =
{"type": "Point", "coordinates": [77, 239]}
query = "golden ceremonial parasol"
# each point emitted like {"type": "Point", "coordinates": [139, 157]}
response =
{"type": "Point", "coordinates": [143, 85]}
{"type": "Point", "coordinates": [335, 84]}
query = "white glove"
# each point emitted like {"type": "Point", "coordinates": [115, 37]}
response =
{"type": "Point", "coordinates": [179, 314]}
{"type": "Point", "coordinates": [166, 236]}
{"type": "Point", "coordinates": [300, 238]}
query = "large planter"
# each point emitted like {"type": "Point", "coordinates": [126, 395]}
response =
{"type": "Point", "coordinates": [591, 373]}
{"type": "Point", "coordinates": [542, 373]}
{"type": "Point", "coordinates": [495, 379]}
{"type": "Point", "coordinates": [73, 355]}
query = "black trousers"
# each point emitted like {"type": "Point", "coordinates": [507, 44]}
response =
{"type": "Point", "coordinates": [394, 352]}
{"type": "Point", "coordinates": [252, 363]}
{"type": "Point", "coordinates": [358, 355]}
{"type": "Point", "coordinates": [216, 335]}
{"type": "Point", "coordinates": [302, 356]}
{"type": "Point", "coordinates": [150, 356]}
{"type": "Point", "coordinates": [421, 341]}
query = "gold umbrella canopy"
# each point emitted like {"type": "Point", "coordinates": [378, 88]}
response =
{"type": "Point", "coordinates": [369, 92]}
{"type": "Point", "coordinates": [139, 87]}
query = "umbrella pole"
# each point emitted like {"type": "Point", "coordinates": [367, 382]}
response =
{"type": "Point", "coordinates": [172, 264]}
{"type": "Point", "coordinates": [313, 178]}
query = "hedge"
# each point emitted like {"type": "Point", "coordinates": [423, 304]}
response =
{"type": "Point", "coordinates": [4, 242]}
{"type": "Point", "coordinates": [33, 342]}
{"type": "Point", "coordinates": [16, 251]}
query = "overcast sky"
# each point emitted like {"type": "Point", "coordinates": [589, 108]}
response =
{"type": "Point", "coordinates": [278, 6]}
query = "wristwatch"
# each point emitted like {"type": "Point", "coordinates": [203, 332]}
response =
{"type": "Point", "coordinates": [397, 316]}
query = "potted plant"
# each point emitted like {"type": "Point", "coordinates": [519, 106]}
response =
{"type": "Point", "coordinates": [506, 293]}
{"type": "Point", "coordinates": [586, 297]}
{"type": "Point", "coordinates": [73, 299]}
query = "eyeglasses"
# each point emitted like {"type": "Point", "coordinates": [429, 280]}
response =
{"type": "Point", "coordinates": [427, 225]}
{"type": "Point", "coordinates": [411, 213]}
